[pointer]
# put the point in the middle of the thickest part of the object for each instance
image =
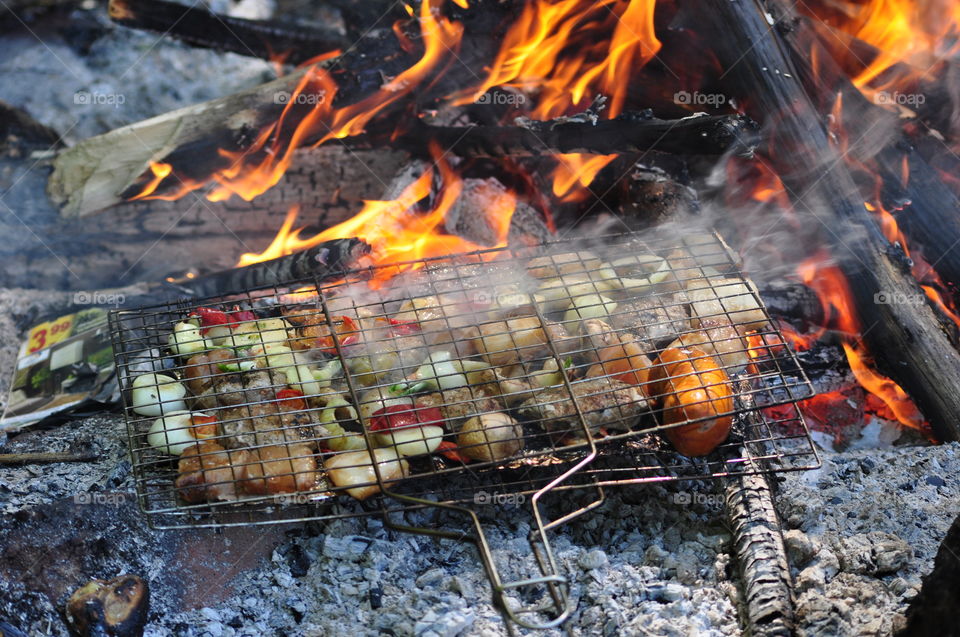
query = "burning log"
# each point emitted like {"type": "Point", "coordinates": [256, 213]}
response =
{"type": "Point", "coordinates": [201, 28]}
{"type": "Point", "coordinates": [96, 173]}
{"type": "Point", "coordinates": [204, 139]}
{"type": "Point", "coordinates": [930, 209]}
{"type": "Point", "coordinates": [906, 339]}
{"type": "Point", "coordinates": [630, 132]}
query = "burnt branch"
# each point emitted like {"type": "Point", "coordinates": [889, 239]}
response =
{"type": "Point", "coordinates": [200, 28]}
{"type": "Point", "coordinates": [929, 208]}
{"type": "Point", "coordinates": [630, 132]}
{"type": "Point", "coordinates": [323, 261]}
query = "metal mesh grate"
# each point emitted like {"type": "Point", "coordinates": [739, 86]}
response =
{"type": "Point", "coordinates": [500, 372]}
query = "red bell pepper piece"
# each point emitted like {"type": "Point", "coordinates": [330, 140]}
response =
{"type": "Point", "coordinates": [210, 317]}
{"type": "Point", "coordinates": [204, 426]}
{"type": "Point", "coordinates": [343, 326]}
{"type": "Point", "coordinates": [402, 416]}
{"type": "Point", "coordinates": [291, 400]}
{"type": "Point", "coordinates": [449, 451]}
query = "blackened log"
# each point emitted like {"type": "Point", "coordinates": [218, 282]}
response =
{"type": "Point", "coordinates": [201, 28]}
{"type": "Point", "coordinates": [327, 260]}
{"type": "Point", "coordinates": [630, 132]}
{"type": "Point", "coordinates": [791, 300]}
{"type": "Point", "coordinates": [906, 340]}
{"type": "Point", "coordinates": [761, 556]}
{"type": "Point", "coordinates": [928, 211]}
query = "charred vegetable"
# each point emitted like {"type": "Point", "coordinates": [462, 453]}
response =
{"type": "Point", "coordinates": [354, 470]}
{"type": "Point", "coordinates": [116, 607]}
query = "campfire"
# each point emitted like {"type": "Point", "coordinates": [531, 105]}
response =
{"type": "Point", "coordinates": [545, 248]}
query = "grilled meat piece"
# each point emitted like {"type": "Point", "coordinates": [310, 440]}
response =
{"type": "Point", "coordinates": [267, 423]}
{"type": "Point", "coordinates": [206, 472]}
{"type": "Point", "coordinates": [604, 402]}
{"type": "Point", "coordinates": [459, 404]}
{"type": "Point", "coordinates": [278, 469]}
{"type": "Point", "coordinates": [238, 388]}
{"type": "Point", "coordinates": [202, 370]}
{"type": "Point", "coordinates": [657, 320]}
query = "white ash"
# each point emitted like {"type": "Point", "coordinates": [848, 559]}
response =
{"type": "Point", "coordinates": [121, 77]}
{"type": "Point", "coordinates": [639, 561]}
{"type": "Point", "coordinates": [863, 530]}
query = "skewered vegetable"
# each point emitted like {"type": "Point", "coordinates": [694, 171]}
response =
{"type": "Point", "coordinates": [692, 386]}
{"type": "Point", "coordinates": [157, 394]}
{"type": "Point", "coordinates": [490, 437]}
{"type": "Point", "coordinates": [438, 372]}
{"type": "Point", "coordinates": [354, 470]}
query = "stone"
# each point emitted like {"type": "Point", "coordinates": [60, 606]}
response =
{"type": "Point", "coordinates": [800, 548]}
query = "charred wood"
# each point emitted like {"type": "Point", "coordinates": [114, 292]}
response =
{"type": "Point", "coordinates": [201, 28]}
{"type": "Point", "coordinates": [907, 341]}
{"type": "Point", "coordinates": [926, 209]}
{"type": "Point", "coordinates": [933, 611]}
{"type": "Point", "coordinates": [761, 556]}
{"type": "Point", "coordinates": [792, 300]}
{"type": "Point", "coordinates": [202, 139]}
{"type": "Point", "coordinates": [324, 261]}
{"type": "Point", "coordinates": [630, 132]}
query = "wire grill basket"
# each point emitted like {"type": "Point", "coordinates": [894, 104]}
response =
{"type": "Point", "coordinates": [488, 364]}
{"type": "Point", "coordinates": [446, 382]}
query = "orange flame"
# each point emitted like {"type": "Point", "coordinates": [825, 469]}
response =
{"type": "Point", "coordinates": [577, 171]}
{"type": "Point", "coordinates": [831, 286]}
{"type": "Point", "coordinates": [395, 232]}
{"type": "Point", "coordinates": [567, 51]}
{"type": "Point", "coordinates": [911, 39]}
{"type": "Point", "coordinates": [260, 166]}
